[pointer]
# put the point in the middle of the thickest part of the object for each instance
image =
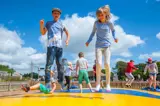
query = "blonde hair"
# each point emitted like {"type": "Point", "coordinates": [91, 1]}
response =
{"type": "Point", "coordinates": [69, 63]}
{"type": "Point", "coordinates": [106, 10]}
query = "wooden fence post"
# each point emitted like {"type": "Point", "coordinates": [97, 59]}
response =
{"type": "Point", "coordinates": [9, 86]}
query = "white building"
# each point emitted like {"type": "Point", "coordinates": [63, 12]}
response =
{"type": "Point", "coordinates": [3, 73]}
{"type": "Point", "coordinates": [16, 74]}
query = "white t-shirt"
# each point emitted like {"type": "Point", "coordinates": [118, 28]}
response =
{"type": "Point", "coordinates": [82, 63]}
{"type": "Point", "coordinates": [152, 68]}
{"type": "Point", "coordinates": [68, 71]}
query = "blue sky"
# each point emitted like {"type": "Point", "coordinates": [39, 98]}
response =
{"type": "Point", "coordinates": [136, 17]}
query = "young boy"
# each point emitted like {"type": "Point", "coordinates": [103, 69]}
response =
{"type": "Point", "coordinates": [54, 30]}
{"type": "Point", "coordinates": [128, 73]}
{"type": "Point", "coordinates": [42, 87]}
{"type": "Point", "coordinates": [153, 71]}
{"type": "Point", "coordinates": [81, 68]}
{"type": "Point", "coordinates": [68, 75]}
{"type": "Point", "coordinates": [102, 27]}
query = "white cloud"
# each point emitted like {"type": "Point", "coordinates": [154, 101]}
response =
{"type": "Point", "coordinates": [143, 56]}
{"type": "Point", "coordinates": [80, 29]}
{"type": "Point", "coordinates": [13, 53]}
{"type": "Point", "coordinates": [125, 54]}
{"type": "Point", "coordinates": [158, 35]}
{"type": "Point", "coordinates": [43, 40]}
{"type": "Point", "coordinates": [39, 58]}
{"type": "Point", "coordinates": [153, 55]}
{"type": "Point", "coordinates": [10, 41]}
{"type": "Point", "coordinates": [121, 59]}
{"type": "Point", "coordinates": [156, 54]}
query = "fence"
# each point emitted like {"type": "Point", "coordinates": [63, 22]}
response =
{"type": "Point", "coordinates": [11, 86]}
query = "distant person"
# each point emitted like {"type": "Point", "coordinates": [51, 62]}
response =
{"type": "Point", "coordinates": [42, 87]}
{"type": "Point", "coordinates": [102, 27]}
{"type": "Point", "coordinates": [130, 68]}
{"type": "Point", "coordinates": [55, 31]}
{"type": "Point", "coordinates": [81, 69]}
{"type": "Point", "coordinates": [94, 70]}
{"type": "Point", "coordinates": [153, 71]}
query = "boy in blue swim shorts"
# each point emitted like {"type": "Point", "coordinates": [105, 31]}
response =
{"type": "Point", "coordinates": [42, 87]}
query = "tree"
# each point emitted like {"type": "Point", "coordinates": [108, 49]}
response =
{"type": "Point", "coordinates": [104, 72]}
{"type": "Point", "coordinates": [158, 76]}
{"type": "Point", "coordinates": [28, 75]}
{"type": "Point", "coordinates": [121, 67]}
{"type": "Point", "coordinates": [7, 69]}
{"type": "Point", "coordinates": [112, 75]}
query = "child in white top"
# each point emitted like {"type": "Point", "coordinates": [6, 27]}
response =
{"type": "Point", "coordinates": [153, 71]}
{"type": "Point", "coordinates": [68, 75]}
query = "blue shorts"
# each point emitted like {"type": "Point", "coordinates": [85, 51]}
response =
{"type": "Point", "coordinates": [152, 74]}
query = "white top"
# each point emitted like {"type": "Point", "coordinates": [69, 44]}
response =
{"type": "Point", "coordinates": [152, 68]}
{"type": "Point", "coordinates": [68, 71]}
{"type": "Point", "coordinates": [82, 64]}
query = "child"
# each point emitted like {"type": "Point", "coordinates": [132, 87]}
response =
{"type": "Point", "coordinates": [54, 30]}
{"type": "Point", "coordinates": [102, 28]}
{"type": "Point", "coordinates": [128, 73]}
{"type": "Point", "coordinates": [41, 87]}
{"type": "Point", "coordinates": [94, 70]}
{"type": "Point", "coordinates": [153, 71]}
{"type": "Point", "coordinates": [68, 74]}
{"type": "Point", "coordinates": [82, 67]}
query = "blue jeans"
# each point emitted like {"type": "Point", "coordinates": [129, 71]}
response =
{"type": "Point", "coordinates": [52, 54]}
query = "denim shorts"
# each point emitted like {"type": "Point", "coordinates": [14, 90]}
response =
{"type": "Point", "coordinates": [152, 74]}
